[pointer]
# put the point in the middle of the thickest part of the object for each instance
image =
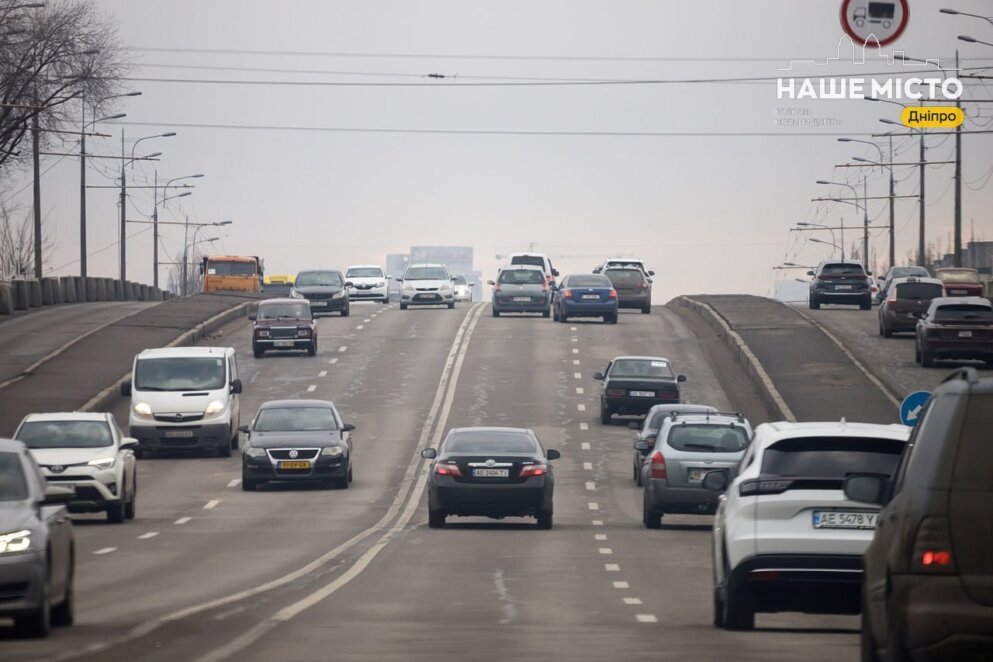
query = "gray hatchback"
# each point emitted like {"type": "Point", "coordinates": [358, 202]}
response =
{"type": "Point", "coordinates": [521, 288]}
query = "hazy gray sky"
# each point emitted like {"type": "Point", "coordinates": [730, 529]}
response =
{"type": "Point", "coordinates": [710, 214]}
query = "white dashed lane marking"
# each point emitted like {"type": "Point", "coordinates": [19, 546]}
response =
{"type": "Point", "coordinates": [579, 390]}
{"type": "Point", "coordinates": [646, 618]}
{"type": "Point", "coordinates": [311, 388]}
{"type": "Point", "coordinates": [584, 426]}
{"type": "Point", "coordinates": [575, 362]}
{"type": "Point", "coordinates": [632, 601]}
{"type": "Point", "coordinates": [322, 373]}
{"type": "Point", "coordinates": [146, 536]}
{"type": "Point", "coordinates": [575, 350]}
{"type": "Point", "coordinates": [593, 505]}
{"type": "Point", "coordinates": [588, 466]}
{"type": "Point", "coordinates": [581, 407]}
{"type": "Point", "coordinates": [343, 348]}
{"type": "Point", "coordinates": [585, 445]}
{"type": "Point", "coordinates": [597, 522]}
{"type": "Point", "coordinates": [332, 361]}
{"type": "Point", "coordinates": [366, 321]}
{"type": "Point", "coordinates": [611, 567]}
{"type": "Point", "coordinates": [621, 585]}
{"type": "Point", "coordinates": [577, 375]}
{"type": "Point", "coordinates": [235, 482]}
{"type": "Point", "coordinates": [590, 485]}
{"type": "Point", "coordinates": [606, 550]}
{"type": "Point", "coordinates": [360, 327]}
{"type": "Point", "coordinates": [211, 504]}
{"type": "Point", "coordinates": [572, 328]}
{"type": "Point", "coordinates": [182, 520]}
{"type": "Point", "coordinates": [105, 550]}
{"type": "Point", "coordinates": [600, 536]}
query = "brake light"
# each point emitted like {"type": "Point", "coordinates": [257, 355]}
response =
{"type": "Point", "coordinates": [529, 470]}
{"type": "Point", "coordinates": [613, 294]}
{"type": "Point", "coordinates": [644, 285]}
{"type": "Point", "coordinates": [448, 470]}
{"type": "Point", "coordinates": [658, 465]}
{"type": "Point", "coordinates": [932, 548]}
{"type": "Point", "coordinates": [892, 299]}
{"type": "Point", "coordinates": [616, 391]}
{"type": "Point", "coordinates": [567, 294]}
{"type": "Point", "coordinates": [497, 288]}
{"type": "Point", "coordinates": [764, 486]}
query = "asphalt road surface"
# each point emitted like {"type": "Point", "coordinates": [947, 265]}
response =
{"type": "Point", "coordinates": [208, 572]}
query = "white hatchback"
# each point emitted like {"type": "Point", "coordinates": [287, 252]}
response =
{"type": "Point", "coordinates": [785, 537]}
{"type": "Point", "coordinates": [367, 282]}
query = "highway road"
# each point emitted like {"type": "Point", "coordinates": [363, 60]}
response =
{"type": "Point", "coordinates": [209, 572]}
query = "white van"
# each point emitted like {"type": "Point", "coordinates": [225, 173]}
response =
{"type": "Point", "coordinates": [537, 260]}
{"type": "Point", "coordinates": [185, 397]}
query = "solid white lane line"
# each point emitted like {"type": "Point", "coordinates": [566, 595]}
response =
{"type": "Point", "coordinates": [343, 348]}
{"type": "Point", "coordinates": [600, 536]}
{"type": "Point", "coordinates": [577, 375]}
{"type": "Point", "coordinates": [621, 585]}
{"type": "Point", "coordinates": [611, 567]}
{"type": "Point", "coordinates": [105, 550]}
{"type": "Point", "coordinates": [332, 361]}
{"type": "Point", "coordinates": [581, 407]}
{"type": "Point", "coordinates": [146, 536]}
{"type": "Point", "coordinates": [632, 601]}
{"type": "Point", "coordinates": [605, 550]}
{"type": "Point", "coordinates": [210, 505]}
{"type": "Point", "coordinates": [597, 522]}
{"type": "Point", "coordinates": [584, 426]}
{"type": "Point", "coordinates": [322, 373]}
{"type": "Point", "coordinates": [579, 390]}
{"type": "Point", "coordinates": [588, 466]}
{"type": "Point", "coordinates": [360, 327]}
{"type": "Point", "coordinates": [646, 618]}
{"type": "Point", "coordinates": [311, 388]}
{"type": "Point", "coordinates": [235, 482]}
{"type": "Point", "coordinates": [585, 445]}
{"type": "Point", "coordinates": [593, 505]}
{"type": "Point", "coordinates": [182, 520]}
{"type": "Point", "coordinates": [590, 485]}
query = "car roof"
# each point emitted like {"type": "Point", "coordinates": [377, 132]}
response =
{"type": "Point", "coordinates": [687, 407]}
{"type": "Point", "coordinates": [973, 301]}
{"type": "Point", "coordinates": [853, 263]}
{"type": "Point", "coordinates": [283, 300]}
{"type": "Point", "coordinates": [292, 404]}
{"type": "Point", "coordinates": [713, 418]}
{"type": "Point", "coordinates": [166, 352]}
{"type": "Point", "coordinates": [541, 255]}
{"type": "Point", "coordinates": [426, 264]}
{"type": "Point", "coordinates": [767, 434]}
{"type": "Point", "coordinates": [532, 267]}
{"type": "Point", "coordinates": [623, 259]}
{"type": "Point", "coordinates": [493, 428]}
{"type": "Point", "coordinates": [363, 266]}
{"type": "Point", "coordinates": [67, 416]}
{"type": "Point", "coordinates": [641, 358]}
{"type": "Point", "coordinates": [916, 279]}
{"type": "Point", "coordinates": [318, 271]}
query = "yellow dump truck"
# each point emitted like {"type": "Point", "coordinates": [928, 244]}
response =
{"type": "Point", "coordinates": [232, 273]}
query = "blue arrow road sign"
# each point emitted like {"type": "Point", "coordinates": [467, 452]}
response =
{"type": "Point", "coordinates": [912, 405]}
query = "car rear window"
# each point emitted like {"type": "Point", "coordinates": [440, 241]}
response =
{"type": "Point", "coordinates": [831, 457]}
{"type": "Point", "coordinates": [900, 272]}
{"type": "Point", "coordinates": [522, 276]}
{"type": "Point", "coordinates": [843, 270]}
{"type": "Point", "coordinates": [364, 272]}
{"type": "Point", "coordinates": [974, 459]}
{"type": "Point", "coordinates": [319, 279]}
{"type": "Point", "coordinates": [489, 442]}
{"type": "Point", "coordinates": [533, 260]}
{"type": "Point", "coordinates": [708, 438]}
{"type": "Point", "coordinates": [963, 313]}
{"type": "Point", "coordinates": [645, 368]}
{"type": "Point", "coordinates": [918, 291]}
{"type": "Point", "coordinates": [12, 484]}
{"type": "Point", "coordinates": [625, 276]}
{"type": "Point", "coordinates": [589, 281]}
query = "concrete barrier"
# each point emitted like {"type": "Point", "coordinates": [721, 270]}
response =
{"type": "Point", "coordinates": [90, 288]}
{"type": "Point", "coordinates": [6, 299]}
{"type": "Point", "coordinates": [135, 292]}
{"type": "Point", "coordinates": [79, 284]}
{"type": "Point", "coordinates": [22, 295]}
{"type": "Point", "coordinates": [35, 299]}
{"type": "Point", "coordinates": [144, 293]}
{"type": "Point", "coordinates": [47, 292]}
{"type": "Point", "coordinates": [68, 286]}
{"type": "Point", "coordinates": [126, 291]}
{"type": "Point", "coordinates": [119, 291]}
{"type": "Point", "coordinates": [102, 289]}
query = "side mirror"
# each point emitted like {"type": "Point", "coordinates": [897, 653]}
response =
{"type": "Point", "coordinates": [552, 454]}
{"type": "Point", "coordinates": [245, 429]}
{"type": "Point", "coordinates": [472, 285]}
{"type": "Point", "coordinates": [429, 453]}
{"type": "Point", "coordinates": [680, 378]}
{"type": "Point", "coordinates": [811, 273]}
{"type": "Point", "coordinates": [555, 272]}
{"type": "Point", "coordinates": [651, 273]}
{"type": "Point", "coordinates": [867, 488]}
{"type": "Point", "coordinates": [642, 446]}
{"type": "Point", "coordinates": [598, 376]}
{"type": "Point", "coordinates": [490, 282]}
{"type": "Point", "coordinates": [398, 279]}
{"type": "Point", "coordinates": [236, 386]}
{"type": "Point", "coordinates": [634, 426]}
{"type": "Point", "coordinates": [715, 481]}
{"type": "Point", "coordinates": [129, 442]}
{"type": "Point", "coordinates": [349, 283]}
{"type": "Point", "coordinates": [252, 317]}
{"type": "Point", "coordinates": [57, 496]}
{"type": "Point", "coordinates": [126, 389]}
{"type": "Point", "coordinates": [453, 279]}
{"type": "Point", "coordinates": [347, 427]}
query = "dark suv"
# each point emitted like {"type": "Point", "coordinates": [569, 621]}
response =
{"type": "Point", "coordinates": [837, 281]}
{"type": "Point", "coordinates": [907, 299]}
{"type": "Point", "coordinates": [928, 579]}
{"type": "Point", "coordinates": [283, 324]}
{"type": "Point", "coordinates": [955, 328]}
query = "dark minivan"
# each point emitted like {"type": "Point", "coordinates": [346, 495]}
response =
{"type": "Point", "coordinates": [928, 577]}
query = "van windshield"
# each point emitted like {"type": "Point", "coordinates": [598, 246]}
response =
{"type": "Point", "coordinates": [534, 260]}
{"type": "Point", "coordinates": [186, 373]}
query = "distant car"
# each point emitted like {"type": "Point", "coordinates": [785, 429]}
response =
{"type": "Point", "coordinates": [907, 299]}
{"type": "Point", "coordinates": [426, 285]}
{"type": "Point", "coordinates": [368, 283]}
{"type": "Point", "coordinates": [490, 472]}
{"type": "Point", "coordinates": [88, 453]}
{"type": "Point", "coordinates": [294, 440]}
{"type": "Point", "coordinates": [688, 447]}
{"type": "Point", "coordinates": [283, 324]}
{"type": "Point", "coordinates": [277, 286]}
{"type": "Point", "coordinates": [622, 262]}
{"type": "Point", "coordinates": [960, 281]}
{"type": "Point", "coordinates": [634, 288]}
{"type": "Point", "coordinates": [955, 328]}
{"type": "Point", "coordinates": [537, 260]}
{"type": "Point", "coordinates": [520, 289]}
{"type": "Point", "coordinates": [899, 272]}
{"type": "Point", "coordinates": [648, 430]}
{"type": "Point", "coordinates": [785, 537]}
{"type": "Point", "coordinates": [928, 577]}
{"type": "Point", "coordinates": [37, 551]}
{"type": "Point", "coordinates": [841, 282]}
{"type": "Point", "coordinates": [632, 385]}
{"type": "Point", "coordinates": [585, 295]}
{"type": "Point", "coordinates": [324, 289]}
{"type": "Point", "coordinates": [463, 288]}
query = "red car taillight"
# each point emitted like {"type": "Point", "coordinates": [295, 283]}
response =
{"type": "Point", "coordinates": [529, 470]}
{"type": "Point", "coordinates": [496, 288]}
{"type": "Point", "coordinates": [448, 470]}
{"type": "Point", "coordinates": [644, 285]}
{"type": "Point", "coordinates": [613, 294]}
{"type": "Point", "coordinates": [933, 548]}
{"type": "Point", "coordinates": [658, 465]}
{"type": "Point", "coordinates": [615, 391]}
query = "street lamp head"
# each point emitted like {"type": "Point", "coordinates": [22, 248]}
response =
{"type": "Point", "coordinates": [167, 135]}
{"type": "Point", "coordinates": [966, 38]}
{"type": "Point", "coordinates": [225, 222]}
{"type": "Point", "coordinates": [844, 140]}
{"type": "Point", "coordinates": [888, 121]}
{"type": "Point", "coordinates": [948, 11]}
{"type": "Point", "coordinates": [131, 94]}
{"type": "Point", "coordinates": [860, 159]}
{"type": "Point", "coordinates": [113, 117]}
{"type": "Point", "coordinates": [821, 181]}
{"type": "Point", "coordinates": [211, 239]}
{"type": "Point", "coordinates": [152, 155]}
{"type": "Point", "coordinates": [183, 195]}
{"type": "Point", "coordinates": [196, 176]}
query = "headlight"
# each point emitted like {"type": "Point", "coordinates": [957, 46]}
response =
{"type": "Point", "coordinates": [445, 287]}
{"type": "Point", "coordinates": [103, 463]}
{"type": "Point", "coordinates": [253, 451]}
{"type": "Point", "coordinates": [295, 294]}
{"type": "Point", "coordinates": [263, 333]}
{"type": "Point", "coordinates": [407, 287]}
{"type": "Point", "coordinates": [332, 451]}
{"type": "Point", "coordinates": [17, 541]}
{"type": "Point", "coordinates": [381, 283]}
{"type": "Point", "coordinates": [303, 333]}
{"type": "Point", "coordinates": [143, 409]}
{"type": "Point", "coordinates": [214, 407]}
{"type": "Point", "coordinates": [338, 295]}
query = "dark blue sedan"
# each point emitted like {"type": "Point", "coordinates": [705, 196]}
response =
{"type": "Point", "coordinates": [585, 295]}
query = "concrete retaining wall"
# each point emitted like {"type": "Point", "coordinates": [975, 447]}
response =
{"type": "Point", "coordinates": [6, 299]}
{"type": "Point", "coordinates": [35, 294]}
{"type": "Point", "coordinates": [26, 293]}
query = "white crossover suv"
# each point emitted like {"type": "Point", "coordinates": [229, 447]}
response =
{"type": "Point", "coordinates": [785, 537]}
{"type": "Point", "coordinates": [367, 282]}
{"type": "Point", "coordinates": [89, 453]}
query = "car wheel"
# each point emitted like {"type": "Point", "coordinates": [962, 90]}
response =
{"type": "Point", "coordinates": [403, 306]}
{"type": "Point", "coordinates": [866, 305]}
{"type": "Point", "coordinates": [436, 519]}
{"type": "Point", "coordinates": [257, 352]}
{"type": "Point", "coordinates": [718, 609]}
{"type": "Point", "coordinates": [116, 512]}
{"type": "Point", "coordinates": [64, 614]}
{"type": "Point", "coordinates": [249, 484]}
{"type": "Point", "coordinates": [131, 508]}
{"type": "Point", "coordinates": [739, 610]}
{"type": "Point", "coordinates": [605, 416]}
{"type": "Point", "coordinates": [917, 353]}
{"type": "Point", "coordinates": [896, 649]}
{"type": "Point", "coordinates": [38, 623]}
{"type": "Point", "coordinates": [496, 313]}
{"type": "Point", "coordinates": [350, 479]}
{"type": "Point", "coordinates": [563, 317]}
{"type": "Point", "coordinates": [344, 311]}
{"type": "Point", "coordinates": [547, 312]}
{"type": "Point", "coordinates": [637, 476]}
{"type": "Point", "coordinates": [927, 359]}
{"type": "Point", "coordinates": [544, 519]}
{"type": "Point", "coordinates": [645, 310]}
{"type": "Point", "coordinates": [555, 314]}
{"type": "Point", "coordinates": [868, 652]}
{"type": "Point", "coordinates": [235, 439]}
{"type": "Point", "coordinates": [312, 349]}
{"type": "Point", "coordinates": [451, 305]}
{"type": "Point", "coordinates": [815, 303]}
{"type": "Point", "coordinates": [225, 450]}
{"type": "Point", "coordinates": [651, 518]}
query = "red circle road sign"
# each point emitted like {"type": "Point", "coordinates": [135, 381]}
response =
{"type": "Point", "coordinates": [874, 22]}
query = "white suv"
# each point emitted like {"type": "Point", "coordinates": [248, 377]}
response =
{"type": "Point", "coordinates": [785, 536]}
{"type": "Point", "coordinates": [426, 285]}
{"type": "Point", "coordinates": [87, 452]}
{"type": "Point", "coordinates": [367, 282]}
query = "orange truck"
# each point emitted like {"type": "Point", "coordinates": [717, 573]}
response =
{"type": "Point", "coordinates": [232, 273]}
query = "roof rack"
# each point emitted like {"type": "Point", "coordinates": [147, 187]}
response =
{"type": "Point", "coordinates": [969, 374]}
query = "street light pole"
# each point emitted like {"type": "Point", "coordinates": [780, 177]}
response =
{"type": "Point", "coordinates": [958, 182]}
{"type": "Point", "coordinates": [35, 151]}
{"type": "Point", "coordinates": [892, 246]}
{"type": "Point", "coordinates": [124, 190]}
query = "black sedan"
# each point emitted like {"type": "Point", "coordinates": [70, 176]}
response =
{"type": "Point", "coordinates": [326, 290]}
{"type": "Point", "coordinates": [632, 385]}
{"type": "Point", "coordinates": [490, 472]}
{"type": "Point", "coordinates": [294, 440]}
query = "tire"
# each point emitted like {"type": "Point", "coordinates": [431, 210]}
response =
{"type": "Point", "coordinates": [131, 507]}
{"type": "Point", "coordinates": [350, 479]}
{"type": "Point", "coordinates": [544, 518]}
{"type": "Point", "coordinates": [896, 649]}
{"type": "Point", "coordinates": [927, 359]}
{"type": "Point", "coordinates": [451, 305]}
{"type": "Point", "coordinates": [635, 474]}
{"type": "Point", "coordinates": [225, 450]}
{"type": "Point", "coordinates": [645, 310]}
{"type": "Point", "coordinates": [116, 512]}
{"type": "Point", "coordinates": [436, 519]}
{"type": "Point", "coordinates": [866, 305]}
{"type": "Point", "coordinates": [496, 313]}
{"type": "Point", "coordinates": [38, 623]}
{"type": "Point", "coordinates": [345, 311]}
{"type": "Point", "coordinates": [257, 352]}
{"type": "Point", "coordinates": [555, 314]}
{"type": "Point", "coordinates": [403, 306]}
{"type": "Point", "coordinates": [917, 353]}
{"type": "Point", "coordinates": [651, 518]}
{"type": "Point", "coordinates": [610, 319]}
{"type": "Point", "coordinates": [64, 614]}
{"type": "Point", "coordinates": [343, 482]}
{"type": "Point", "coordinates": [868, 651]}
{"type": "Point", "coordinates": [312, 349]}
{"type": "Point", "coordinates": [718, 609]}
{"type": "Point", "coordinates": [249, 484]}
{"type": "Point", "coordinates": [563, 317]}
{"type": "Point", "coordinates": [815, 303]}
{"type": "Point", "coordinates": [739, 610]}
{"type": "Point", "coordinates": [547, 312]}
{"type": "Point", "coordinates": [884, 331]}
{"type": "Point", "coordinates": [605, 416]}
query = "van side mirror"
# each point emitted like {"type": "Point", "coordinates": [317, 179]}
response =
{"type": "Point", "coordinates": [651, 273]}
{"type": "Point", "coordinates": [716, 481]}
{"type": "Point", "coordinates": [634, 426]}
{"type": "Point", "coordinates": [125, 389]}
{"type": "Point", "coordinates": [555, 272]}
{"type": "Point", "coordinates": [552, 454]}
{"type": "Point", "coordinates": [429, 453]}
{"type": "Point", "coordinates": [490, 282]}
{"type": "Point", "coordinates": [252, 317]}
{"type": "Point", "coordinates": [398, 279]}
{"type": "Point", "coordinates": [349, 283]}
{"type": "Point", "coordinates": [129, 442]}
{"type": "Point", "coordinates": [811, 273]}
{"type": "Point", "coordinates": [867, 488]}
{"type": "Point", "coordinates": [236, 386]}
{"type": "Point", "coordinates": [347, 427]}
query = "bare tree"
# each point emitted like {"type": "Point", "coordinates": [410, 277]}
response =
{"type": "Point", "coordinates": [194, 279]}
{"type": "Point", "coordinates": [17, 243]}
{"type": "Point", "coordinates": [49, 56]}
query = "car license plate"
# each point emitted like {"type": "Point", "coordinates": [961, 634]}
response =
{"type": "Point", "coordinates": [522, 299]}
{"type": "Point", "coordinates": [842, 287]}
{"type": "Point", "coordinates": [295, 464]}
{"type": "Point", "coordinates": [696, 475]}
{"type": "Point", "coordinates": [179, 434]}
{"type": "Point", "coordinates": [642, 394]}
{"type": "Point", "coordinates": [319, 304]}
{"type": "Point", "coordinates": [839, 519]}
{"type": "Point", "coordinates": [965, 334]}
{"type": "Point", "coordinates": [283, 343]}
{"type": "Point", "coordinates": [490, 473]}
{"type": "Point", "coordinates": [958, 291]}
{"type": "Point", "coordinates": [592, 296]}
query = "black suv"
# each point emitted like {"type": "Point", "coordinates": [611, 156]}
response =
{"type": "Point", "coordinates": [928, 579]}
{"type": "Point", "coordinates": [837, 281]}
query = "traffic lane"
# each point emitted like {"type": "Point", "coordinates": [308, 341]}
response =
{"type": "Point", "coordinates": [29, 338]}
{"type": "Point", "coordinates": [245, 539]}
{"type": "Point", "coordinates": [595, 587]}
{"type": "Point", "coordinates": [890, 359]}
